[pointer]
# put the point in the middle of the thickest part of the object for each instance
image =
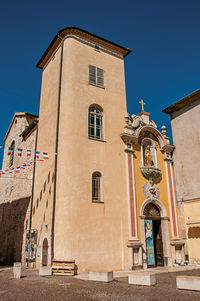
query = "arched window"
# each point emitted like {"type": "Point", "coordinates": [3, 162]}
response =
{"type": "Point", "coordinates": [148, 149]}
{"type": "Point", "coordinates": [95, 117]}
{"type": "Point", "coordinates": [96, 186]}
{"type": "Point", "coordinates": [12, 154]}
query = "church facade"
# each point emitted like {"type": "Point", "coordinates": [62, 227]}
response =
{"type": "Point", "coordinates": [105, 197]}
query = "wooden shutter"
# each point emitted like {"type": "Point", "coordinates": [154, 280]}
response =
{"type": "Point", "coordinates": [100, 79]}
{"type": "Point", "coordinates": [92, 74]}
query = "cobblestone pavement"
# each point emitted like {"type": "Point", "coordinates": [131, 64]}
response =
{"type": "Point", "coordinates": [59, 288]}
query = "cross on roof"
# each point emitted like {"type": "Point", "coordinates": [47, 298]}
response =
{"type": "Point", "coordinates": [142, 103]}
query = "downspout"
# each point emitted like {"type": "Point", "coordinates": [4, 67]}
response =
{"type": "Point", "coordinates": [56, 153]}
{"type": "Point", "coordinates": [31, 209]}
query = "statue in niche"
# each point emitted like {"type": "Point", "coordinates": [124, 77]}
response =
{"type": "Point", "coordinates": [148, 156]}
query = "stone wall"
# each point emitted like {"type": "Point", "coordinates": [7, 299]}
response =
{"type": "Point", "coordinates": [12, 216]}
{"type": "Point", "coordinates": [17, 185]}
{"type": "Point", "coordinates": [16, 188]}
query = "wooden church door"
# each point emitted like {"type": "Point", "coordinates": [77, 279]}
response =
{"type": "Point", "coordinates": [45, 252]}
{"type": "Point", "coordinates": [158, 243]}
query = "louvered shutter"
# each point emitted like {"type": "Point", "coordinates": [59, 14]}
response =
{"type": "Point", "coordinates": [92, 74]}
{"type": "Point", "coordinates": [100, 80]}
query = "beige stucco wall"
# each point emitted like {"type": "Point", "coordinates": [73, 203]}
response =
{"type": "Point", "coordinates": [44, 171]}
{"type": "Point", "coordinates": [94, 234]}
{"type": "Point", "coordinates": [186, 136]}
{"type": "Point", "coordinates": [192, 220]}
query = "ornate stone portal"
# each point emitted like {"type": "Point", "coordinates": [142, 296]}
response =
{"type": "Point", "coordinates": [150, 174]}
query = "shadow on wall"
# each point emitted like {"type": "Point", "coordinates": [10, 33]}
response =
{"type": "Point", "coordinates": [12, 216]}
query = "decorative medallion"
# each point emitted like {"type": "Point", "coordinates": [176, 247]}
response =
{"type": "Point", "coordinates": [151, 191]}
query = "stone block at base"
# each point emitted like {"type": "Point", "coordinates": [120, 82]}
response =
{"type": "Point", "coordinates": [17, 270]}
{"type": "Point", "coordinates": [101, 276]}
{"type": "Point", "coordinates": [45, 271]}
{"type": "Point", "coordinates": [142, 279]}
{"type": "Point", "coordinates": [188, 283]}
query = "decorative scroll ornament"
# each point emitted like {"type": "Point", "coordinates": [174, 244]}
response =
{"type": "Point", "coordinates": [151, 191]}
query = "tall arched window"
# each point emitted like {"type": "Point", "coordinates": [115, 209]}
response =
{"type": "Point", "coordinates": [95, 117]}
{"type": "Point", "coordinates": [96, 186]}
{"type": "Point", "coordinates": [12, 154]}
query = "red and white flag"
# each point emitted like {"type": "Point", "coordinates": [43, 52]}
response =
{"type": "Point", "coordinates": [19, 152]}
{"type": "Point", "coordinates": [10, 150]}
{"type": "Point", "coordinates": [37, 155]}
{"type": "Point", "coordinates": [28, 152]}
{"type": "Point", "coordinates": [45, 156]}
{"type": "Point", "coordinates": [17, 169]}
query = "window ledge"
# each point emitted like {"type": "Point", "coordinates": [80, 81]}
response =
{"type": "Point", "coordinates": [95, 201]}
{"type": "Point", "coordinates": [96, 85]}
{"type": "Point", "coordinates": [96, 139]}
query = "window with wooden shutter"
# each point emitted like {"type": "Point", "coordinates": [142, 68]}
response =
{"type": "Point", "coordinates": [100, 77]}
{"type": "Point", "coordinates": [92, 74]}
{"type": "Point", "coordinates": [96, 76]}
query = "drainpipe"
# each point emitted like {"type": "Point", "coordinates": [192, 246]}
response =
{"type": "Point", "coordinates": [31, 205]}
{"type": "Point", "coordinates": [56, 153]}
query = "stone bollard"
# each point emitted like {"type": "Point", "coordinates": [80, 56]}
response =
{"type": "Point", "coordinates": [45, 271]}
{"type": "Point", "coordinates": [101, 276]}
{"type": "Point", "coordinates": [17, 270]}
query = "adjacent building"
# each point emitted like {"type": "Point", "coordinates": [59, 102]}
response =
{"type": "Point", "coordinates": [16, 188]}
{"type": "Point", "coordinates": [185, 121]}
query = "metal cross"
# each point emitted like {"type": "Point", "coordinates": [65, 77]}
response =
{"type": "Point", "coordinates": [142, 103]}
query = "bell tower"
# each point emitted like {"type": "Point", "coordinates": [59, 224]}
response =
{"type": "Point", "coordinates": [80, 194]}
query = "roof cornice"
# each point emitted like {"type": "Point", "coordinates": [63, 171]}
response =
{"type": "Point", "coordinates": [63, 33]}
{"type": "Point", "coordinates": [183, 102]}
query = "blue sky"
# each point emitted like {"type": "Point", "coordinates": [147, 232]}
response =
{"type": "Point", "coordinates": [163, 67]}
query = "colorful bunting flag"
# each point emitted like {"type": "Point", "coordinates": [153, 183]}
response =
{"type": "Point", "coordinates": [4, 172]}
{"type": "Point", "coordinates": [10, 150]}
{"type": "Point", "coordinates": [19, 152]}
{"type": "Point", "coordinates": [17, 169]}
{"type": "Point", "coordinates": [42, 160]}
{"type": "Point", "coordinates": [37, 155]}
{"type": "Point", "coordinates": [29, 163]}
{"type": "Point", "coordinates": [28, 152]}
{"type": "Point", "coordinates": [45, 156]}
{"type": "Point", "coordinates": [23, 166]}
{"type": "Point", "coordinates": [11, 170]}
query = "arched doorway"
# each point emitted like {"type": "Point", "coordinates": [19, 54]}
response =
{"type": "Point", "coordinates": [45, 252]}
{"type": "Point", "coordinates": [153, 236]}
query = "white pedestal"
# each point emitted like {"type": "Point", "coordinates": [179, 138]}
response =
{"type": "Point", "coordinates": [45, 271]}
{"type": "Point", "coordinates": [101, 276]}
{"type": "Point", "coordinates": [17, 270]}
{"type": "Point", "coordinates": [188, 283]}
{"type": "Point", "coordinates": [142, 279]}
